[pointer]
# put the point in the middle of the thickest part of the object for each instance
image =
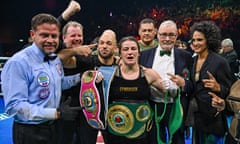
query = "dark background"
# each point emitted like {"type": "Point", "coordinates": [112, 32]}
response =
{"type": "Point", "coordinates": [95, 16]}
{"type": "Point", "coordinates": [16, 15]}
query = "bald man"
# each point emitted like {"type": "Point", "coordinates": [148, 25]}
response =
{"type": "Point", "coordinates": [78, 58]}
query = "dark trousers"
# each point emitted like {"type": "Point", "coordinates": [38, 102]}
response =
{"type": "Point", "coordinates": [113, 139]}
{"type": "Point", "coordinates": [67, 131]}
{"type": "Point", "coordinates": [45, 133]}
{"type": "Point", "coordinates": [85, 133]}
{"type": "Point", "coordinates": [230, 139]}
{"type": "Point", "coordinates": [77, 131]}
{"type": "Point", "coordinates": [178, 137]}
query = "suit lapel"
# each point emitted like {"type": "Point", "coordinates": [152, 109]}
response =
{"type": "Point", "coordinates": [177, 61]}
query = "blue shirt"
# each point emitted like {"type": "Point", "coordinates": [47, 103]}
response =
{"type": "Point", "coordinates": [32, 88]}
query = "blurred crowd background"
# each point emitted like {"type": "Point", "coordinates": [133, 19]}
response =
{"type": "Point", "coordinates": [123, 16]}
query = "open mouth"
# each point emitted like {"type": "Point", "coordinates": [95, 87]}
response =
{"type": "Point", "coordinates": [76, 43]}
{"type": "Point", "coordinates": [104, 51]}
{"type": "Point", "coordinates": [130, 57]}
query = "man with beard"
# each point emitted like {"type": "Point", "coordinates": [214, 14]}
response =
{"type": "Point", "coordinates": [106, 46]}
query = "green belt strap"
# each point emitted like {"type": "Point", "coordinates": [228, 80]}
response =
{"type": "Point", "coordinates": [175, 119]}
{"type": "Point", "coordinates": [158, 119]}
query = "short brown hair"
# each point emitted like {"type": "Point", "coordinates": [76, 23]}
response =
{"type": "Point", "coordinates": [43, 18]}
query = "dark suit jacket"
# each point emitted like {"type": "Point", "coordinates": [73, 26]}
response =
{"type": "Point", "coordinates": [205, 118]}
{"type": "Point", "coordinates": [183, 64]}
{"type": "Point", "coordinates": [232, 58]}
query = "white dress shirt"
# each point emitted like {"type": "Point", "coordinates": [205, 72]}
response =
{"type": "Point", "coordinates": [163, 65]}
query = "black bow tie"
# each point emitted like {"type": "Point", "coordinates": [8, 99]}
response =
{"type": "Point", "coordinates": [50, 57]}
{"type": "Point", "coordinates": [162, 53]}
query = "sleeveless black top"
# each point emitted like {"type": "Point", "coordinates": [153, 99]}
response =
{"type": "Point", "coordinates": [133, 90]}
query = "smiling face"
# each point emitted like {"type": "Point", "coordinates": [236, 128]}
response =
{"type": "Point", "coordinates": [199, 42]}
{"type": "Point", "coordinates": [107, 45]}
{"type": "Point", "coordinates": [129, 52]}
{"type": "Point", "coordinates": [46, 37]}
{"type": "Point", "coordinates": [73, 36]}
{"type": "Point", "coordinates": [167, 35]}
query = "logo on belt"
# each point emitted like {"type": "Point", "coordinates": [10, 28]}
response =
{"type": "Point", "coordinates": [120, 119]}
{"type": "Point", "coordinates": [90, 99]}
{"type": "Point", "coordinates": [94, 101]}
{"type": "Point", "coordinates": [127, 119]}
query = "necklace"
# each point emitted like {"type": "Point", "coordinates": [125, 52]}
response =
{"type": "Point", "coordinates": [199, 65]}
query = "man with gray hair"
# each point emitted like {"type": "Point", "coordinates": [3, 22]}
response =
{"type": "Point", "coordinates": [230, 55]}
{"type": "Point", "coordinates": [173, 65]}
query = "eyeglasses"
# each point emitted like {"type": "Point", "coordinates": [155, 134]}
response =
{"type": "Point", "coordinates": [165, 35]}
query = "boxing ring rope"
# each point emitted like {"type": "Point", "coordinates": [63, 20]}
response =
{"type": "Point", "coordinates": [3, 60]}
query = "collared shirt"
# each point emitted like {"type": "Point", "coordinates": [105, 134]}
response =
{"type": "Point", "coordinates": [164, 64]}
{"type": "Point", "coordinates": [31, 87]}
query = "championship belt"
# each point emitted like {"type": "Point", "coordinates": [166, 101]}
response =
{"type": "Point", "coordinates": [129, 119]}
{"type": "Point", "coordinates": [94, 102]}
{"type": "Point", "coordinates": [90, 99]}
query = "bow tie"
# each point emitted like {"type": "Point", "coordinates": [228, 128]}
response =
{"type": "Point", "coordinates": [50, 57]}
{"type": "Point", "coordinates": [162, 53]}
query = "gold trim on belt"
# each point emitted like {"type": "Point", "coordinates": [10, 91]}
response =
{"type": "Point", "coordinates": [128, 119]}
